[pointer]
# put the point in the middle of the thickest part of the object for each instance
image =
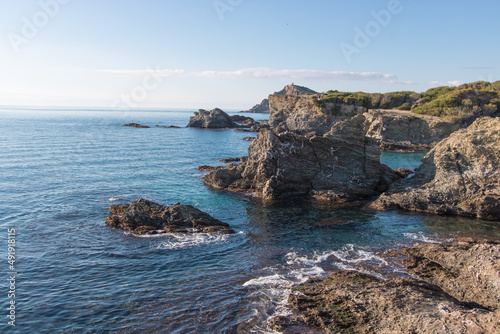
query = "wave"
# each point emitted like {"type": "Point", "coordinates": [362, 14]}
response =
{"type": "Point", "coordinates": [272, 289]}
{"type": "Point", "coordinates": [182, 240]}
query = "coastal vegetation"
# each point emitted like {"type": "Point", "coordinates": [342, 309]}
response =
{"type": "Point", "coordinates": [471, 99]}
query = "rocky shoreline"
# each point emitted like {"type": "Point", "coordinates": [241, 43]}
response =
{"type": "Point", "coordinates": [450, 288]}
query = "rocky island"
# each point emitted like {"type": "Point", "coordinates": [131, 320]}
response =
{"type": "Point", "coordinates": [146, 217]}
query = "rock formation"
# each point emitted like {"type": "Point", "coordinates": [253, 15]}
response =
{"type": "Point", "coordinates": [460, 176]}
{"type": "Point", "coordinates": [396, 130]}
{"type": "Point", "coordinates": [352, 302]}
{"type": "Point", "coordinates": [262, 107]}
{"type": "Point", "coordinates": [145, 217]}
{"type": "Point", "coordinates": [295, 90]}
{"type": "Point", "coordinates": [341, 166]}
{"type": "Point", "coordinates": [214, 119]}
{"type": "Point", "coordinates": [465, 269]}
{"type": "Point", "coordinates": [135, 125]}
{"type": "Point", "coordinates": [301, 114]}
{"type": "Point", "coordinates": [292, 89]}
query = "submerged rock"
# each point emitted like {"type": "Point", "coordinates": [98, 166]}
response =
{"type": "Point", "coordinates": [143, 216]}
{"type": "Point", "coordinates": [341, 166]}
{"type": "Point", "coordinates": [135, 125]}
{"type": "Point", "coordinates": [352, 302]}
{"type": "Point", "coordinates": [460, 176]}
{"type": "Point", "coordinates": [214, 119]}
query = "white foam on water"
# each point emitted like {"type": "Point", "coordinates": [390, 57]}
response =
{"type": "Point", "coordinates": [353, 255]}
{"type": "Point", "coordinates": [114, 199]}
{"type": "Point", "coordinates": [420, 237]}
{"type": "Point", "coordinates": [186, 240]}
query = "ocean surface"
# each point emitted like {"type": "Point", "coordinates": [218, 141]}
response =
{"type": "Point", "coordinates": [61, 169]}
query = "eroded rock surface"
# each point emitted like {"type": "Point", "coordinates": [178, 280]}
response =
{"type": "Point", "coordinates": [460, 176]}
{"type": "Point", "coordinates": [400, 130]}
{"type": "Point", "coordinates": [341, 166]}
{"type": "Point", "coordinates": [457, 293]}
{"type": "Point", "coordinates": [143, 216]}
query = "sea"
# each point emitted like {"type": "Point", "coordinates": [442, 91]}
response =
{"type": "Point", "coordinates": [67, 272]}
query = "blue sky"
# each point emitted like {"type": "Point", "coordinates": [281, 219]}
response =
{"type": "Point", "coordinates": [233, 53]}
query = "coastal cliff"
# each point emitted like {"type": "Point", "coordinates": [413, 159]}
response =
{"type": "Point", "coordinates": [392, 129]}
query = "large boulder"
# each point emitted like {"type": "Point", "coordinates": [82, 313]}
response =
{"type": "Point", "coordinates": [341, 166]}
{"type": "Point", "coordinates": [145, 217]}
{"type": "Point", "coordinates": [214, 119]}
{"type": "Point", "coordinates": [460, 176]}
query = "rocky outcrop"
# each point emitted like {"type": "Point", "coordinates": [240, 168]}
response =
{"type": "Point", "coordinates": [396, 130]}
{"type": "Point", "coordinates": [243, 121]}
{"type": "Point", "coordinates": [340, 167]}
{"type": "Point", "coordinates": [262, 107]}
{"type": "Point", "coordinates": [146, 217]}
{"type": "Point", "coordinates": [301, 114]}
{"type": "Point", "coordinates": [214, 119]}
{"type": "Point", "coordinates": [135, 125]}
{"type": "Point", "coordinates": [465, 269]}
{"type": "Point", "coordinates": [458, 294]}
{"type": "Point", "coordinates": [460, 176]}
{"type": "Point", "coordinates": [295, 90]}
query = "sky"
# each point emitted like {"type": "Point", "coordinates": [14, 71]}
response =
{"type": "Point", "coordinates": [232, 54]}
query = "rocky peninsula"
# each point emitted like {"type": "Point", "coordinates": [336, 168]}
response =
{"type": "Point", "coordinates": [460, 176]}
{"type": "Point", "coordinates": [454, 289]}
{"type": "Point", "coordinates": [146, 217]}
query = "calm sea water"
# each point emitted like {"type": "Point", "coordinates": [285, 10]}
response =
{"type": "Point", "coordinates": [60, 168]}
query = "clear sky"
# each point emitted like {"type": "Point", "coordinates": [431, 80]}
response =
{"type": "Point", "coordinates": [233, 53]}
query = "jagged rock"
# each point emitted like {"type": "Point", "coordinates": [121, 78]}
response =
{"type": "Point", "coordinates": [135, 125]}
{"type": "Point", "coordinates": [262, 107]}
{"type": "Point", "coordinates": [396, 130]}
{"type": "Point", "coordinates": [341, 166]}
{"type": "Point", "coordinates": [214, 119]}
{"type": "Point", "coordinates": [295, 90]}
{"type": "Point", "coordinates": [460, 176]}
{"type": "Point", "coordinates": [466, 269]}
{"type": "Point", "coordinates": [249, 138]}
{"type": "Point", "coordinates": [352, 302]}
{"type": "Point", "coordinates": [301, 114]}
{"type": "Point", "coordinates": [144, 217]}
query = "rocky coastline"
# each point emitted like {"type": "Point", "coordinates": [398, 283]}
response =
{"type": "Point", "coordinates": [449, 288]}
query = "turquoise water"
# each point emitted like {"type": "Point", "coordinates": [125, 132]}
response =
{"type": "Point", "coordinates": [59, 170]}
